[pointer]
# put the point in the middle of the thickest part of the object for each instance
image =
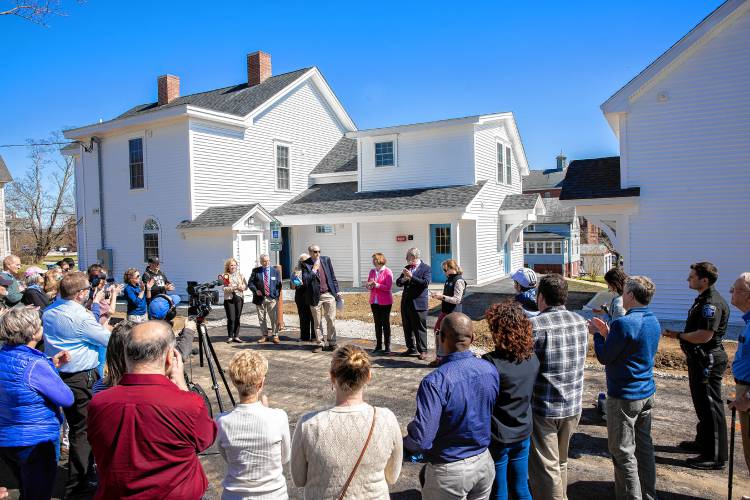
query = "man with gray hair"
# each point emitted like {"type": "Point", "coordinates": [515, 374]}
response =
{"type": "Point", "coordinates": [147, 431]}
{"type": "Point", "coordinates": [265, 283]}
{"type": "Point", "coordinates": [11, 268]}
{"type": "Point", "coordinates": [322, 295]}
{"type": "Point", "coordinates": [740, 293]}
{"type": "Point", "coordinates": [415, 278]}
{"type": "Point", "coordinates": [627, 348]}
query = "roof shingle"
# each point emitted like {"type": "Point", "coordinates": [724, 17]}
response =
{"type": "Point", "coordinates": [344, 198]}
{"type": "Point", "coordinates": [519, 201]}
{"type": "Point", "coordinates": [223, 216]}
{"type": "Point", "coordinates": [595, 178]}
{"type": "Point", "coordinates": [341, 158]}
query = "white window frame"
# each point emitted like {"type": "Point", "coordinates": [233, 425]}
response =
{"type": "Point", "coordinates": [288, 145]}
{"type": "Point", "coordinates": [157, 232]}
{"type": "Point", "coordinates": [143, 163]}
{"type": "Point", "coordinates": [381, 139]}
{"type": "Point", "coordinates": [555, 250]}
{"type": "Point", "coordinates": [503, 148]}
{"type": "Point", "coordinates": [321, 229]}
{"type": "Point", "coordinates": [508, 164]}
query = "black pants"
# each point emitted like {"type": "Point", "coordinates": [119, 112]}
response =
{"type": "Point", "coordinates": [76, 414]}
{"type": "Point", "coordinates": [233, 309]}
{"type": "Point", "coordinates": [382, 316]}
{"type": "Point", "coordinates": [415, 327]}
{"type": "Point", "coordinates": [705, 379]}
{"type": "Point", "coordinates": [34, 467]}
{"type": "Point", "coordinates": [306, 325]}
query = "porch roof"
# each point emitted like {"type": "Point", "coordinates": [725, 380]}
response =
{"type": "Point", "coordinates": [344, 198]}
{"type": "Point", "coordinates": [520, 202]}
{"type": "Point", "coordinates": [595, 178]}
{"type": "Point", "coordinates": [222, 216]}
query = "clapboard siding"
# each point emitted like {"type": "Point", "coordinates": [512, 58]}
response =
{"type": "Point", "coordinates": [231, 167]}
{"type": "Point", "coordinates": [490, 254]}
{"type": "Point", "coordinates": [337, 246]}
{"type": "Point", "coordinates": [689, 154]}
{"type": "Point", "coordinates": [468, 260]}
{"type": "Point", "coordinates": [439, 156]}
{"type": "Point", "coordinates": [381, 237]}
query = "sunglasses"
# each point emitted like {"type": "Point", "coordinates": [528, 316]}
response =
{"type": "Point", "coordinates": [315, 251]}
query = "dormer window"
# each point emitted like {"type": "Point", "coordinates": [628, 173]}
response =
{"type": "Point", "coordinates": [384, 156]}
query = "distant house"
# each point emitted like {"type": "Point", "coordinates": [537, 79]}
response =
{"type": "Point", "coordinates": [199, 178]}
{"type": "Point", "coordinates": [596, 259]}
{"type": "Point", "coordinates": [677, 194]}
{"type": "Point", "coordinates": [547, 183]}
{"type": "Point", "coordinates": [5, 178]}
{"type": "Point", "coordinates": [552, 244]}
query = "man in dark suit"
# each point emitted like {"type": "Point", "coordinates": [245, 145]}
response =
{"type": "Point", "coordinates": [322, 295]}
{"type": "Point", "coordinates": [265, 283]}
{"type": "Point", "coordinates": [415, 278]}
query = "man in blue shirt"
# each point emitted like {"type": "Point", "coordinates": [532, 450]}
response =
{"type": "Point", "coordinates": [740, 292]}
{"type": "Point", "coordinates": [627, 348]}
{"type": "Point", "coordinates": [68, 326]}
{"type": "Point", "coordinates": [452, 423]}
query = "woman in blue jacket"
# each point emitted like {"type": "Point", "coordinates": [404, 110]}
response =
{"type": "Point", "coordinates": [31, 394]}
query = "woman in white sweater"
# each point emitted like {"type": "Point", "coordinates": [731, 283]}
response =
{"type": "Point", "coordinates": [328, 443]}
{"type": "Point", "coordinates": [252, 438]}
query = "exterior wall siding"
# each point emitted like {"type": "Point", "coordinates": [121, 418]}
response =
{"type": "Point", "coordinates": [434, 157]}
{"type": "Point", "coordinates": [689, 156]}
{"type": "Point", "coordinates": [337, 246]}
{"type": "Point", "coordinates": [234, 167]}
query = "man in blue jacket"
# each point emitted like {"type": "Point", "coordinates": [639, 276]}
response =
{"type": "Point", "coordinates": [627, 348]}
{"type": "Point", "coordinates": [265, 283]}
{"type": "Point", "coordinates": [415, 278]}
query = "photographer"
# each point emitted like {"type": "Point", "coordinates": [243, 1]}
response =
{"type": "Point", "coordinates": [162, 286]}
{"type": "Point", "coordinates": [137, 295]}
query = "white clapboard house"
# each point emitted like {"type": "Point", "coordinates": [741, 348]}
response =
{"type": "Point", "coordinates": [678, 192]}
{"type": "Point", "coordinates": [196, 179]}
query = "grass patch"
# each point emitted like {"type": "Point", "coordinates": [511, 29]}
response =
{"type": "Point", "coordinates": [578, 285]}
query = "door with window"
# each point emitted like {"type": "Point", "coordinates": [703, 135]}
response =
{"type": "Point", "coordinates": [440, 249]}
{"type": "Point", "coordinates": [248, 254]}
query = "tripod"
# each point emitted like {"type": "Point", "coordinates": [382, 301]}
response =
{"type": "Point", "coordinates": [205, 346]}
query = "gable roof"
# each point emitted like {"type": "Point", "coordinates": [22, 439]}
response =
{"type": "Point", "coordinates": [223, 216]}
{"type": "Point", "coordinates": [703, 31]}
{"type": "Point", "coordinates": [541, 236]}
{"type": "Point", "coordinates": [595, 178]}
{"type": "Point", "coordinates": [556, 213]}
{"type": "Point", "coordinates": [5, 176]}
{"type": "Point", "coordinates": [341, 158]}
{"type": "Point", "coordinates": [519, 201]}
{"type": "Point", "coordinates": [344, 198]}
{"type": "Point", "coordinates": [543, 179]}
{"type": "Point", "coordinates": [238, 100]}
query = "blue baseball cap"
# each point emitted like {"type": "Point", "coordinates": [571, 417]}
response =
{"type": "Point", "coordinates": [158, 308]}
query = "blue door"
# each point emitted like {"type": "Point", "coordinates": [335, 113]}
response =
{"type": "Point", "coordinates": [440, 249]}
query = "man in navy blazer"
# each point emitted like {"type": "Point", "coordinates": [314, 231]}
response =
{"type": "Point", "coordinates": [322, 294]}
{"type": "Point", "coordinates": [265, 283]}
{"type": "Point", "coordinates": [415, 278]}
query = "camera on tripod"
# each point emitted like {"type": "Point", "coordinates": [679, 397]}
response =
{"type": "Point", "coordinates": [202, 297]}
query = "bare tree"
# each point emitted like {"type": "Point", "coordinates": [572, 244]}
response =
{"type": "Point", "coordinates": [36, 11]}
{"type": "Point", "coordinates": [42, 201]}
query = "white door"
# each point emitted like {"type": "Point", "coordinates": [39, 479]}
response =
{"type": "Point", "coordinates": [248, 255]}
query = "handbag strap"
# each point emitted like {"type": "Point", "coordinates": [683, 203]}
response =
{"type": "Point", "coordinates": [362, 454]}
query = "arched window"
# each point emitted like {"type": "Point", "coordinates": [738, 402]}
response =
{"type": "Point", "coordinates": [150, 239]}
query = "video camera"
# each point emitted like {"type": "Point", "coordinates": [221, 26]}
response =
{"type": "Point", "coordinates": [202, 297]}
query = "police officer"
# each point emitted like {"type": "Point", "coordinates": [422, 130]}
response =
{"type": "Point", "coordinates": [701, 342]}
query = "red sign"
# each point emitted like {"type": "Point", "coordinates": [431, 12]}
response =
{"type": "Point", "coordinates": [401, 237]}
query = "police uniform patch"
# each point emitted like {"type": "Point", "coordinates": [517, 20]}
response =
{"type": "Point", "coordinates": [709, 311]}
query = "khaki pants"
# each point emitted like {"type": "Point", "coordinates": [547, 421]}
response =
{"type": "Point", "coordinates": [548, 460]}
{"type": "Point", "coordinates": [744, 418]}
{"type": "Point", "coordinates": [326, 308]}
{"type": "Point", "coordinates": [470, 478]}
{"type": "Point", "coordinates": [268, 312]}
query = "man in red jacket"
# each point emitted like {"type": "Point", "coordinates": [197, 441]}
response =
{"type": "Point", "coordinates": [146, 433]}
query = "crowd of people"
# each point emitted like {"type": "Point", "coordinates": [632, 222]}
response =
{"type": "Point", "coordinates": [498, 426]}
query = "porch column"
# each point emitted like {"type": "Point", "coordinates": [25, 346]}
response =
{"type": "Point", "coordinates": [355, 254]}
{"type": "Point", "coordinates": [623, 237]}
{"type": "Point", "coordinates": [456, 241]}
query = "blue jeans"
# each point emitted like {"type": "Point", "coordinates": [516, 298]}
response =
{"type": "Point", "coordinates": [511, 470]}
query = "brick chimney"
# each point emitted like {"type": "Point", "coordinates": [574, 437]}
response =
{"type": "Point", "coordinates": [169, 88]}
{"type": "Point", "coordinates": [258, 67]}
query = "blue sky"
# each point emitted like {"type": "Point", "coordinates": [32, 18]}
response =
{"type": "Point", "coordinates": [552, 63]}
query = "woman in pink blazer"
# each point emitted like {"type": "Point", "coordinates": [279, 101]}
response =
{"type": "Point", "coordinates": [380, 282]}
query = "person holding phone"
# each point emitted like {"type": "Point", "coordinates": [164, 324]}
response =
{"type": "Point", "coordinates": [415, 278]}
{"type": "Point", "coordinates": [137, 294]}
{"type": "Point", "coordinates": [451, 299]}
{"type": "Point", "coordinates": [380, 282]}
{"type": "Point", "coordinates": [615, 279]}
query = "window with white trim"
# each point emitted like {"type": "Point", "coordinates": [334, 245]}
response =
{"type": "Point", "coordinates": [283, 171]}
{"type": "Point", "coordinates": [530, 247]}
{"type": "Point", "coordinates": [150, 239]}
{"type": "Point", "coordinates": [508, 168]}
{"type": "Point", "coordinates": [557, 247]}
{"type": "Point", "coordinates": [500, 164]}
{"type": "Point", "coordinates": [135, 162]}
{"type": "Point", "coordinates": [325, 229]}
{"type": "Point", "coordinates": [384, 154]}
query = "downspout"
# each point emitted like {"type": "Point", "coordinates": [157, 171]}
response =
{"type": "Point", "coordinates": [98, 142]}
